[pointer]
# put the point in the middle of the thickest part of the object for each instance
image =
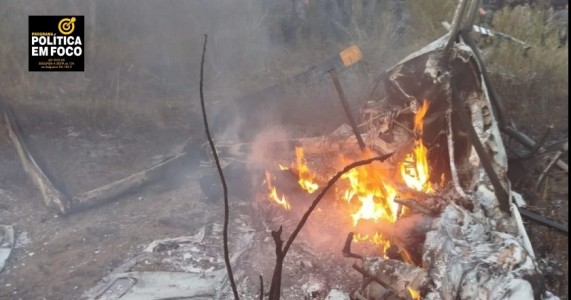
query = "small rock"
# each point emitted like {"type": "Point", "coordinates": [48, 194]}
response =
{"type": "Point", "coordinates": [336, 294]}
{"type": "Point", "coordinates": [312, 288]}
{"type": "Point", "coordinates": [306, 264]}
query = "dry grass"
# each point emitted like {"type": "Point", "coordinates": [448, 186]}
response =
{"type": "Point", "coordinates": [533, 87]}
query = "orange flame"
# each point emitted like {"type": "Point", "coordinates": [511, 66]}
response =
{"type": "Point", "coordinates": [306, 178]}
{"type": "Point", "coordinates": [419, 117]}
{"type": "Point", "coordinates": [414, 294]}
{"type": "Point", "coordinates": [274, 194]}
{"type": "Point", "coordinates": [376, 197]}
{"type": "Point", "coordinates": [414, 168]}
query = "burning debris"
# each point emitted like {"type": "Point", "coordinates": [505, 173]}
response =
{"type": "Point", "coordinates": [443, 200]}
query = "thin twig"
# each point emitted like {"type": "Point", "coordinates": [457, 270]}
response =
{"type": "Point", "coordinates": [550, 166]}
{"type": "Point", "coordinates": [219, 167]}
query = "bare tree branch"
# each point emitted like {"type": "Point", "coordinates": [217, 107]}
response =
{"type": "Point", "coordinates": [219, 167]}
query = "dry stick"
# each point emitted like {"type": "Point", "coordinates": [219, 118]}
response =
{"type": "Point", "coordinates": [275, 286]}
{"type": "Point", "coordinates": [276, 279]}
{"type": "Point", "coordinates": [539, 145]}
{"type": "Point", "coordinates": [261, 287]}
{"type": "Point", "coordinates": [552, 163]}
{"type": "Point", "coordinates": [347, 247]}
{"type": "Point", "coordinates": [543, 140]}
{"type": "Point", "coordinates": [530, 144]}
{"type": "Point", "coordinates": [219, 167]}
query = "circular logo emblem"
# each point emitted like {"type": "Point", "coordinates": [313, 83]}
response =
{"type": "Point", "coordinates": [66, 25]}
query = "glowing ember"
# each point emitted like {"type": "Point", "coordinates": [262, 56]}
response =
{"type": "Point", "coordinates": [274, 194]}
{"type": "Point", "coordinates": [306, 178]}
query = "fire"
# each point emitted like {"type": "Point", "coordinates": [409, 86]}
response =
{"type": "Point", "coordinates": [414, 168]}
{"type": "Point", "coordinates": [375, 196]}
{"type": "Point", "coordinates": [274, 193]}
{"type": "Point", "coordinates": [414, 294]}
{"type": "Point", "coordinates": [371, 190]}
{"type": "Point", "coordinates": [419, 117]}
{"type": "Point", "coordinates": [306, 178]}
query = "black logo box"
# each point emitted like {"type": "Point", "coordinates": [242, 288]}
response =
{"type": "Point", "coordinates": [50, 24]}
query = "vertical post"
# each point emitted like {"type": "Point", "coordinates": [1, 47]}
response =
{"type": "Point", "coordinates": [347, 108]}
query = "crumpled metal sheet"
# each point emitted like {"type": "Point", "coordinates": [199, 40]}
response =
{"type": "Point", "coordinates": [469, 259]}
{"type": "Point", "coordinates": [188, 267]}
{"type": "Point", "coordinates": [161, 285]}
{"type": "Point", "coordinates": [6, 243]}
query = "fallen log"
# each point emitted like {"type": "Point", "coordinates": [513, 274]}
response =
{"type": "Point", "coordinates": [52, 195]}
{"type": "Point", "coordinates": [125, 185]}
{"type": "Point", "coordinates": [55, 198]}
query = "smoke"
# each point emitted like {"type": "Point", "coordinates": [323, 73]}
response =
{"type": "Point", "coordinates": [268, 148]}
